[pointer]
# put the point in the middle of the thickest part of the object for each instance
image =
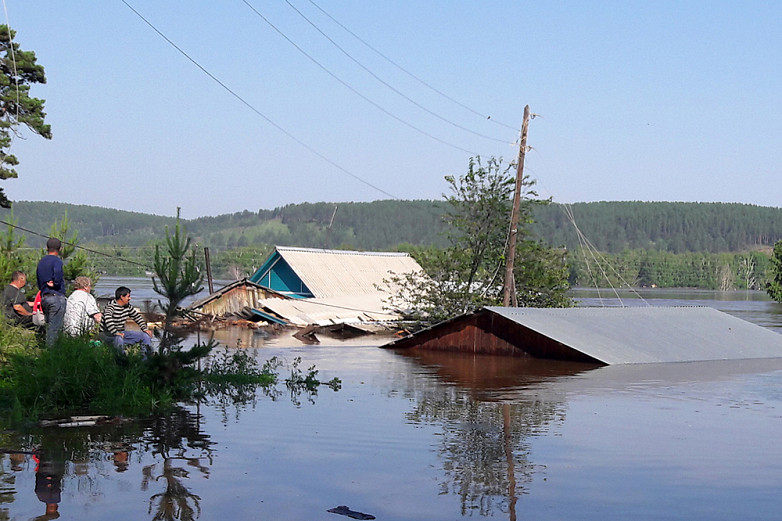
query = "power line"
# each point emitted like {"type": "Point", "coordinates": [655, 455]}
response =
{"type": "Point", "coordinates": [378, 78]}
{"type": "Point", "coordinates": [76, 245]}
{"type": "Point", "coordinates": [258, 112]}
{"type": "Point", "coordinates": [421, 81]}
{"type": "Point", "coordinates": [352, 89]}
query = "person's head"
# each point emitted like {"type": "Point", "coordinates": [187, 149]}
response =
{"type": "Point", "coordinates": [122, 294]}
{"type": "Point", "coordinates": [53, 245]}
{"type": "Point", "coordinates": [82, 283]}
{"type": "Point", "coordinates": [18, 278]}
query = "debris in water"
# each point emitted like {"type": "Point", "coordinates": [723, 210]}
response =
{"type": "Point", "coordinates": [345, 511]}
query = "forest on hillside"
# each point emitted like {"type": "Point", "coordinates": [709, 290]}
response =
{"type": "Point", "coordinates": [708, 245]}
{"type": "Point", "coordinates": [611, 227]}
{"type": "Point", "coordinates": [614, 227]}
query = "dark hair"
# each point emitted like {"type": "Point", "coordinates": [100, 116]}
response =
{"type": "Point", "coordinates": [17, 275]}
{"type": "Point", "coordinates": [121, 292]}
{"type": "Point", "coordinates": [53, 244]}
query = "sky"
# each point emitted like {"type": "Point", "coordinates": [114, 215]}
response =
{"type": "Point", "coordinates": [249, 106]}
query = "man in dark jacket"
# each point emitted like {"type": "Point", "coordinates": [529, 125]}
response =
{"type": "Point", "coordinates": [52, 286]}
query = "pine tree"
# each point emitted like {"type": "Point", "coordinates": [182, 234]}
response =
{"type": "Point", "coordinates": [18, 70]}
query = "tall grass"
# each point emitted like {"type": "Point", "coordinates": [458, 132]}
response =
{"type": "Point", "coordinates": [75, 376]}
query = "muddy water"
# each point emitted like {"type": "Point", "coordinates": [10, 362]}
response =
{"type": "Point", "coordinates": [437, 438]}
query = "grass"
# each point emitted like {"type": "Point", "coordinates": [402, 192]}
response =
{"type": "Point", "coordinates": [79, 376]}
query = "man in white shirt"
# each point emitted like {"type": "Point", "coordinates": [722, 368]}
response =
{"type": "Point", "coordinates": [81, 310]}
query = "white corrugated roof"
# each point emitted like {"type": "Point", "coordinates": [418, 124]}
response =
{"type": "Point", "coordinates": [338, 273]}
{"type": "Point", "coordinates": [650, 334]}
{"type": "Point", "coordinates": [324, 311]}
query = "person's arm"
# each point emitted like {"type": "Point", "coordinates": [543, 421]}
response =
{"type": "Point", "coordinates": [21, 310]}
{"type": "Point", "coordinates": [135, 314]}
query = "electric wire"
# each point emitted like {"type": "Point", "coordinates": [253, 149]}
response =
{"type": "Point", "coordinates": [381, 80]}
{"type": "Point", "coordinates": [100, 253]}
{"type": "Point", "coordinates": [353, 89]}
{"type": "Point", "coordinates": [74, 245]}
{"type": "Point", "coordinates": [421, 81]}
{"type": "Point", "coordinates": [600, 260]}
{"type": "Point", "coordinates": [255, 110]}
{"type": "Point", "coordinates": [13, 61]}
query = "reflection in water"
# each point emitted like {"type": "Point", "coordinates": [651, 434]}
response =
{"type": "Point", "coordinates": [178, 439]}
{"type": "Point", "coordinates": [49, 470]}
{"type": "Point", "coordinates": [72, 460]}
{"type": "Point", "coordinates": [486, 418]}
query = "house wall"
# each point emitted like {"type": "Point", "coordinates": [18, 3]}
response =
{"type": "Point", "coordinates": [279, 276]}
{"type": "Point", "coordinates": [489, 333]}
{"type": "Point", "coordinates": [234, 300]}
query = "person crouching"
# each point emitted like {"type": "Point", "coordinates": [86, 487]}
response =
{"type": "Point", "coordinates": [116, 313]}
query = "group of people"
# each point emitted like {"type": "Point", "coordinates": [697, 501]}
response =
{"type": "Point", "coordinates": [78, 314]}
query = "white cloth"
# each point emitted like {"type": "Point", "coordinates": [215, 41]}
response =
{"type": "Point", "coordinates": [79, 311]}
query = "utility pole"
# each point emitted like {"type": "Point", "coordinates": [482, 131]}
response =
{"type": "Point", "coordinates": [509, 290]}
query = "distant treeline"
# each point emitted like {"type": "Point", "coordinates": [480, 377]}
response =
{"type": "Point", "coordinates": [672, 227]}
{"type": "Point", "coordinates": [709, 245]}
{"type": "Point", "coordinates": [650, 268]}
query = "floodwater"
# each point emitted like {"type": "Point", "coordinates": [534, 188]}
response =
{"type": "Point", "coordinates": [436, 437]}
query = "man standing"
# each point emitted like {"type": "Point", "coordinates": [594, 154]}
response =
{"type": "Point", "coordinates": [81, 310]}
{"type": "Point", "coordinates": [52, 286]}
{"type": "Point", "coordinates": [117, 312]}
{"type": "Point", "coordinates": [17, 308]}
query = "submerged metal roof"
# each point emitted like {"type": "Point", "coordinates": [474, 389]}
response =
{"type": "Point", "coordinates": [649, 334]}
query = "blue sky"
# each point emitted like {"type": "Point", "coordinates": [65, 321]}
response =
{"type": "Point", "coordinates": [652, 101]}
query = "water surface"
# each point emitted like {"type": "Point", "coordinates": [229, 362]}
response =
{"type": "Point", "coordinates": [436, 437]}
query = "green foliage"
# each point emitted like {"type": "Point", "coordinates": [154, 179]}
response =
{"type": "Point", "coordinates": [14, 340]}
{"type": "Point", "coordinates": [307, 382]}
{"type": "Point", "coordinates": [73, 377]}
{"type": "Point", "coordinates": [12, 254]}
{"type": "Point", "coordinates": [178, 277]}
{"type": "Point", "coordinates": [76, 262]}
{"type": "Point", "coordinates": [614, 227]}
{"type": "Point", "coordinates": [774, 284]}
{"type": "Point", "coordinates": [467, 274]}
{"type": "Point", "coordinates": [651, 268]}
{"type": "Point", "coordinates": [18, 71]}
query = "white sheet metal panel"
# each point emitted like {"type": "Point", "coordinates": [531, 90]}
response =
{"type": "Point", "coordinates": [336, 310]}
{"type": "Point", "coordinates": [336, 273]}
{"type": "Point", "coordinates": [650, 334]}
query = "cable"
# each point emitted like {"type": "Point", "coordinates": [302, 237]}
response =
{"type": "Point", "coordinates": [352, 89]}
{"type": "Point", "coordinates": [13, 61]}
{"type": "Point", "coordinates": [76, 245]}
{"type": "Point", "coordinates": [378, 78]}
{"type": "Point", "coordinates": [258, 112]}
{"type": "Point", "coordinates": [392, 62]}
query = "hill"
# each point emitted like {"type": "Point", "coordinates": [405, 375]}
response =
{"type": "Point", "coordinates": [612, 227]}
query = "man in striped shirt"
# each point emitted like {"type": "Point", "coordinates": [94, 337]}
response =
{"type": "Point", "coordinates": [117, 312]}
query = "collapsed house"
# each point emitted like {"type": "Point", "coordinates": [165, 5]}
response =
{"type": "Point", "coordinates": [306, 286]}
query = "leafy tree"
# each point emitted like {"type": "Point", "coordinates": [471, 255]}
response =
{"type": "Point", "coordinates": [467, 274]}
{"type": "Point", "coordinates": [18, 70]}
{"type": "Point", "coordinates": [774, 285]}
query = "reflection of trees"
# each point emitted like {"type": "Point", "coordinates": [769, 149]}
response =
{"type": "Point", "coordinates": [177, 438]}
{"type": "Point", "coordinates": [484, 445]}
{"type": "Point", "coordinates": [485, 458]}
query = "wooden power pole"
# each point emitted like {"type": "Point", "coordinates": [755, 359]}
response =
{"type": "Point", "coordinates": [509, 290]}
